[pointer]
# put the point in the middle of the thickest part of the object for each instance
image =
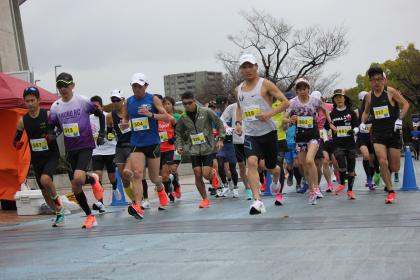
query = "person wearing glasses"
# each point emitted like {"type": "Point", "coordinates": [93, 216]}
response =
{"type": "Point", "coordinates": [194, 136]}
{"type": "Point", "coordinates": [384, 104]}
{"type": "Point", "coordinates": [44, 149]}
{"type": "Point", "coordinates": [142, 111]}
{"type": "Point", "coordinates": [71, 113]}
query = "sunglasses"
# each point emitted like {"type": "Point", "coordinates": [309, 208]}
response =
{"type": "Point", "coordinates": [187, 103]}
{"type": "Point", "coordinates": [63, 83]}
{"type": "Point", "coordinates": [115, 100]}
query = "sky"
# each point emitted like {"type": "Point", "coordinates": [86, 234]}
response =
{"type": "Point", "coordinates": [103, 42]}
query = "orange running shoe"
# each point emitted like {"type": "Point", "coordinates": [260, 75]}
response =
{"type": "Point", "coordinates": [390, 199]}
{"type": "Point", "coordinates": [135, 210]}
{"type": "Point", "coordinates": [205, 203]}
{"type": "Point", "coordinates": [98, 190]}
{"type": "Point", "coordinates": [163, 199]}
{"type": "Point", "coordinates": [339, 188]}
{"type": "Point", "coordinates": [263, 186]}
{"type": "Point", "coordinates": [90, 222]}
{"type": "Point", "coordinates": [215, 182]}
{"type": "Point", "coordinates": [350, 195]}
{"type": "Point", "coordinates": [178, 193]}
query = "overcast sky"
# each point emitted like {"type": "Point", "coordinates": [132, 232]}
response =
{"type": "Point", "coordinates": [103, 42]}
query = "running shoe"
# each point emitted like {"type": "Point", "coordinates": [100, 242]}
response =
{"type": "Point", "coordinates": [213, 191]}
{"type": "Point", "coordinates": [371, 186]}
{"type": "Point", "coordinates": [99, 206]}
{"type": "Point", "coordinates": [135, 210]}
{"type": "Point", "coordinates": [350, 195]}
{"type": "Point", "coordinates": [275, 188]}
{"type": "Point", "coordinates": [219, 191]}
{"type": "Point", "coordinates": [178, 193]}
{"type": "Point", "coordinates": [377, 178]}
{"type": "Point", "coordinates": [215, 182]}
{"type": "Point", "coordinates": [390, 199]}
{"type": "Point", "coordinates": [145, 204]}
{"type": "Point", "coordinates": [171, 197]}
{"type": "Point", "coordinates": [98, 190]}
{"type": "Point", "coordinates": [339, 188]}
{"type": "Point", "coordinates": [263, 186]}
{"type": "Point", "coordinates": [396, 177]}
{"type": "Point", "coordinates": [235, 192]}
{"type": "Point", "coordinates": [290, 180]}
{"type": "Point", "coordinates": [318, 192]}
{"type": "Point", "coordinates": [330, 188]}
{"type": "Point", "coordinates": [90, 222]}
{"type": "Point", "coordinates": [59, 219]}
{"type": "Point", "coordinates": [248, 194]}
{"type": "Point", "coordinates": [117, 194]}
{"type": "Point", "coordinates": [163, 199]}
{"type": "Point", "coordinates": [304, 188]}
{"type": "Point", "coordinates": [226, 192]}
{"type": "Point", "coordinates": [257, 207]}
{"type": "Point", "coordinates": [312, 198]}
{"type": "Point", "coordinates": [205, 203]}
{"type": "Point", "coordinates": [279, 200]}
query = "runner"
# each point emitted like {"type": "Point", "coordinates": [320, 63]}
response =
{"type": "Point", "coordinates": [177, 156]}
{"type": "Point", "coordinates": [194, 136]}
{"type": "Point", "coordinates": [345, 126]}
{"type": "Point", "coordinates": [229, 115]}
{"type": "Point", "coordinates": [103, 156]}
{"type": "Point", "coordinates": [302, 111]}
{"type": "Point", "coordinates": [255, 97]}
{"type": "Point", "coordinates": [383, 104]}
{"type": "Point", "coordinates": [44, 149]}
{"type": "Point", "coordinates": [71, 112]}
{"type": "Point", "coordinates": [143, 110]}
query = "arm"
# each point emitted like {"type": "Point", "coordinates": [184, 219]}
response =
{"type": "Point", "coordinates": [101, 133]}
{"type": "Point", "coordinates": [179, 132]}
{"type": "Point", "coordinates": [404, 105]}
{"type": "Point", "coordinates": [18, 136]}
{"type": "Point", "coordinates": [275, 92]}
{"type": "Point", "coordinates": [109, 127]}
{"type": "Point", "coordinates": [219, 127]}
{"type": "Point", "coordinates": [161, 116]}
{"type": "Point", "coordinates": [365, 113]}
{"type": "Point", "coordinates": [238, 113]}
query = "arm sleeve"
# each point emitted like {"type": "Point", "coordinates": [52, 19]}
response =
{"type": "Point", "coordinates": [354, 120]}
{"type": "Point", "coordinates": [179, 143]}
{"type": "Point", "coordinates": [227, 114]}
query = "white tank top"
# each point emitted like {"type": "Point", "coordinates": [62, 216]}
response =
{"type": "Point", "coordinates": [252, 103]}
{"type": "Point", "coordinates": [106, 149]}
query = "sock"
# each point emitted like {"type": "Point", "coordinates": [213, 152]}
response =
{"type": "Point", "coordinates": [81, 199]}
{"type": "Point", "coordinates": [114, 185]}
{"type": "Point", "coordinates": [366, 167]}
{"type": "Point", "coordinates": [350, 183]}
{"type": "Point", "coordinates": [89, 180]}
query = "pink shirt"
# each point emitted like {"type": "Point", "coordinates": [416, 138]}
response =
{"type": "Point", "coordinates": [321, 117]}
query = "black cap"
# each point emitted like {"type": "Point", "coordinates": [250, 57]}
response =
{"type": "Point", "coordinates": [64, 77]}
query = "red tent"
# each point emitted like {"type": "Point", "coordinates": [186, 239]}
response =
{"type": "Point", "coordinates": [14, 164]}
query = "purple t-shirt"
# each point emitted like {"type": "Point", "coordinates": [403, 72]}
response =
{"type": "Point", "coordinates": [73, 117]}
{"type": "Point", "coordinates": [309, 108]}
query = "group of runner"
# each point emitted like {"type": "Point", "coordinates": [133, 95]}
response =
{"type": "Point", "coordinates": [301, 137]}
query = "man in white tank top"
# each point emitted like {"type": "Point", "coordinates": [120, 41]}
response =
{"type": "Point", "coordinates": [255, 97]}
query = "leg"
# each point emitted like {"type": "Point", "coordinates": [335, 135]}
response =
{"type": "Point", "coordinates": [253, 176]}
{"type": "Point", "coordinates": [134, 171]}
{"type": "Point", "coordinates": [199, 183]}
{"type": "Point", "coordinates": [382, 155]}
{"type": "Point", "coordinates": [310, 166]}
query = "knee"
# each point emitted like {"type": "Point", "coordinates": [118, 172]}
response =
{"type": "Point", "coordinates": [45, 180]}
{"type": "Point", "coordinates": [383, 162]}
{"type": "Point", "coordinates": [138, 174]}
{"type": "Point", "coordinates": [309, 161]}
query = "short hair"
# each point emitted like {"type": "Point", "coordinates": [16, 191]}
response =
{"type": "Point", "coordinates": [96, 98]}
{"type": "Point", "coordinates": [187, 95]}
{"type": "Point", "coordinates": [31, 91]}
{"type": "Point", "coordinates": [376, 70]}
{"type": "Point", "coordinates": [159, 96]}
{"type": "Point", "coordinates": [169, 99]}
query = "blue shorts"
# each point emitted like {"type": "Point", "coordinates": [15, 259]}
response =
{"type": "Point", "coordinates": [291, 154]}
{"type": "Point", "coordinates": [228, 153]}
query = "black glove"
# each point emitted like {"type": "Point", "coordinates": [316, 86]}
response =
{"type": "Point", "coordinates": [350, 132]}
{"type": "Point", "coordinates": [171, 141]}
{"type": "Point", "coordinates": [101, 139]}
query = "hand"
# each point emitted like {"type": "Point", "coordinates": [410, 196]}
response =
{"type": "Point", "coordinates": [19, 145]}
{"type": "Point", "coordinates": [229, 130]}
{"type": "Point", "coordinates": [145, 111]}
{"type": "Point", "coordinates": [51, 137]}
{"type": "Point", "coordinates": [101, 139]}
{"type": "Point", "coordinates": [110, 136]}
{"type": "Point", "coordinates": [363, 127]}
{"type": "Point", "coordinates": [219, 144]}
{"type": "Point", "coordinates": [333, 128]}
{"type": "Point", "coordinates": [263, 116]}
{"type": "Point", "coordinates": [293, 119]}
{"type": "Point", "coordinates": [124, 124]}
{"type": "Point", "coordinates": [398, 125]}
{"type": "Point", "coordinates": [238, 129]}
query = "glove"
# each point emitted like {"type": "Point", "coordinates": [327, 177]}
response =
{"type": "Point", "coordinates": [110, 136]}
{"type": "Point", "coordinates": [350, 132]}
{"type": "Point", "coordinates": [101, 139]}
{"type": "Point", "coordinates": [171, 141]}
{"type": "Point", "coordinates": [363, 127]}
{"type": "Point", "coordinates": [398, 125]}
{"type": "Point", "coordinates": [19, 145]}
{"type": "Point", "coordinates": [229, 130]}
{"type": "Point", "coordinates": [353, 131]}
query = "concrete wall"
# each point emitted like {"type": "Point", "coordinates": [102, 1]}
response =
{"type": "Point", "coordinates": [12, 44]}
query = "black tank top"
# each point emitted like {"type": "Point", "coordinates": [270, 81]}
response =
{"type": "Point", "coordinates": [37, 129]}
{"type": "Point", "coordinates": [384, 114]}
{"type": "Point", "coordinates": [122, 138]}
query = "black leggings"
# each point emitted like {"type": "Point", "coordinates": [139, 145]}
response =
{"type": "Point", "coordinates": [346, 159]}
{"type": "Point", "coordinates": [280, 161]}
{"type": "Point", "coordinates": [222, 173]}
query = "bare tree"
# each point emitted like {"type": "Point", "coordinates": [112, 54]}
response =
{"type": "Point", "coordinates": [324, 83]}
{"type": "Point", "coordinates": [285, 54]}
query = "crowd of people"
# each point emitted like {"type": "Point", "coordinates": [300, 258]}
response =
{"type": "Point", "coordinates": [301, 136]}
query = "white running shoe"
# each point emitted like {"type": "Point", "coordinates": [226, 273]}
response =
{"type": "Point", "coordinates": [117, 194]}
{"type": "Point", "coordinates": [99, 206]}
{"type": "Point", "coordinates": [226, 192]}
{"type": "Point", "coordinates": [257, 207]}
{"type": "Point", "coordinates": [145, 204]}
{"type": "Point", "coordinates": [235, 193]}
{"type": "Point", "coordinates": [275, 188]}
{"type": "Point", "coordinates": [312, 198]}
{"type": "Point", "coordinates": [318, 192]}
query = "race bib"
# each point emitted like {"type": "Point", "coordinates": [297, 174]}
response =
{"type": "Point", "coordinates": [163, 136]}
{"type": "Point", "coordinates": [250, 113]}
{"type": "Point", "coordinates": [381, 112]}
{"type": "Point", "coordinates": [140, 123]}
{"type": "Point", "coordinates": [124, 131]}
{"type": "Point", "coordinates": [71, 130]}
{"type": "Point", "coordinates": [305, 122]}
{"type": "Point", "coordinates": [367, 130]}
{"type": "Point", "coordinates": [39, 145]}
{"type": "Point", "coordinates": [198, 139]}
{"type": "Point", "coordinates": [342, 130]}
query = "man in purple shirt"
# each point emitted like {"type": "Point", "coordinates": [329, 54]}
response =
{"type": "Point", "coordinates": [71, 113]}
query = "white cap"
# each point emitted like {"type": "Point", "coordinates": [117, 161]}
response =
{"type": "Point", "coordinates": [117, 93]}
{"type": "Point", "coordinates": [302, 80]}
{"type": "Point", "coordinates": [139, 78]}
{"type": "Point", "coordinates": [247, 57]}
{"type": "Point", "coordinates": [362, 95]}
{"type": "Point", "coordinates": [316, 94]}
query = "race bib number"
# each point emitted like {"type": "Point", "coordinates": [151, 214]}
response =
{"type": "Point", "coordinates": [381, 112]}
{"type": "Point", "coordinates": [163, 136]}
{"type": "Point", "coordinates": [140, 123]}
{"type": "Point", "coordinates": [39, 145]}
{"type": "Point", "coordinates": [124, 131]}
{"type": "Point", "coordinates": [71, 130]}
{"type": "Point", "coordinates": [250, 113]}
{"type": "Point", "coordinates": [367, 129]}
{"type": "Point", "coordinates": [342, 130]}
{"type": "Point", "coordinates": [198, 139]}
{"type": "Point", "coordinates": [305, 122]}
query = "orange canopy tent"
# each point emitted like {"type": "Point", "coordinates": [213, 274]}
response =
{"type": "Point", "coordinates": [14, 164]}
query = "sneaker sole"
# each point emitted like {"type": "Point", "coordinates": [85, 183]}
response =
{"type": "Point", "coordinates": [162, 208]}
{"type": "Point", "coordinates": [134, 213]}
{"type": "Point", "coordinates": [254, 211]}
{"type": "Point", "coordinates": [93, 225]}
{"type": "Point", "coordinates": [278, 203]}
